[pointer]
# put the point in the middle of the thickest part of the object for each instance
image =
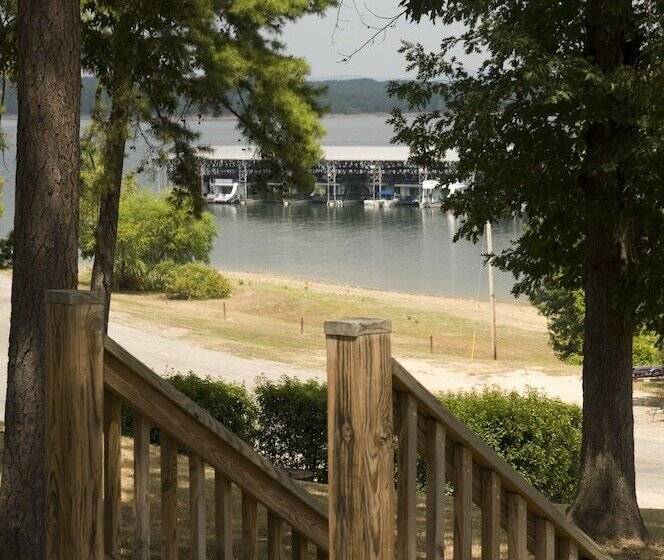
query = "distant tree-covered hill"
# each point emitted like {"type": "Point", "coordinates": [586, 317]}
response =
{"type": "Point", "coordinates": [360, 95]}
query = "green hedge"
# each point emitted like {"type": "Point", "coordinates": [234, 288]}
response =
{"type": "Point", "coordinates": [286, 420]}
{"type": "Point", "coordinates": [229, 403]}
{"type": "Point", "coordinates": [293, 424]}
{"type": "Point", "coordinates": [539, 436]}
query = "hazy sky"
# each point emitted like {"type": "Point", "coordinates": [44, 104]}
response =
{"type": "Point", "coordinates": [315, 39]}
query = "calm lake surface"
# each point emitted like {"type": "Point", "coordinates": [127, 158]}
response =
{"type": "Point", "coordinates": [402, 249]}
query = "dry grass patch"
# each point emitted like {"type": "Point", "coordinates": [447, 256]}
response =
{"type": "Point", "coordinates": [264, 313]}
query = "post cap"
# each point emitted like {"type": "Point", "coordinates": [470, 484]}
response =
{"type": "Point", "coordinates": [74, 297]}
{"type": "Point", "coordinates": [356, 327]}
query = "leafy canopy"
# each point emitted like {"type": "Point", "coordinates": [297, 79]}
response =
{"type": "Point", "coordinates": [520, 126]}
{"type": "Point", "coordinates": [167, 59]}
{"type": "Point", "coordinates": [150, 230]}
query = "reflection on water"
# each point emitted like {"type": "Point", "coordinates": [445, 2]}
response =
{"type": "Point", "coordinates": [401, 248]}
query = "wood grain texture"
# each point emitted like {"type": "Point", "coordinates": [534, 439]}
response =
{"type": "Point", "coordinates": [491, 515]}
{"type": "Point", "coordinates": [141, 487]}
{"type": "Point", "coordinates": [407, 483]}
{"type": "Point", "coordinates": [275, 538]}
{"type": "Point", "coordinates": [74, 432]}
{"type": "Point", "coordinates": [360, 454]}
{"type": "Point", "coordinates": [299, 546]}
{"type": "Point", "coordinates": [223, 516]}
{"type": "Point", "coordinates": [567, 550]}
{"type": "Point", "coordinates": [485, 457]}
{"type": "Point", "coordinates": [545, 540]}
{"type": "Point", "coordinates": [435, 490]}
{"type": "Point", "coordinates": [249, 527]}
{"type": "Point", "coordinates": [463, 502]}
{"type": "Point", "coordinates": [238, 461]}
{"type": "Point", "coordinates": [197, 506]}
{"type": "Point", "coordinates": [517, 527]}
{"type": "Point", "coordinates": [169, 487]}
{"type": "Point", "coordinates": [112, 475]}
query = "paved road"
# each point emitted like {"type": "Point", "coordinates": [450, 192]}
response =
{"type": "Point", "coordinates": [165, 350]}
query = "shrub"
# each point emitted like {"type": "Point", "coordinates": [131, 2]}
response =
{"type": "Point", "coordinates": [647, 350]}
{"type": "Point", "coordinates": [7, 251]}
{"type": "Point", "coordinates": [538, 435]}
{"type": "Point", "coordinates": [194, 281]}
{"type": "Point", "coordinates": [293, 424]}
{"type": "Point", "coordinates": [151, 229]}
{"type": "Point", "coordinates": [229, 403]}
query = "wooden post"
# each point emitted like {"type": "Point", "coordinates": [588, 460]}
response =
{"type": "Point", "coordinates": [492, 293]}
{"type": "Point", "coordinates": [74, 425]}
{"type": "Point", "coordinates": [301, 325]}
{"type": "Point", "coordinates": [361, 458]}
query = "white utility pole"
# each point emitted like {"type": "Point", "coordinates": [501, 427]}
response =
{"type": "Point", "coordinates": [492, 293]}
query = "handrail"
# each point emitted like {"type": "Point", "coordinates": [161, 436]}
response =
{"type": "Point", "coordinates": [483, 455]}
{"type": "Point", "coordinates": [186, 422]}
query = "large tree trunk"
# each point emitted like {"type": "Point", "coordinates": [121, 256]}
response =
{"type": "Point", "coordinates": [45, 251]}
{"type": "Point", "coordinates": [606, 505]}
{"type": "Point", "coordinates": [107, 225]}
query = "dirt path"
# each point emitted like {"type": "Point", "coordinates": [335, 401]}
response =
{"type": "Point", "coordinates": [168, 349]}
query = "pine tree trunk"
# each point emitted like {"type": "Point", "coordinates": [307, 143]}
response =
{"type": "Point", "coordinates": [606, 506]}
{"type": "Point", "coordinates": [45, 251]}
{"type": "Point", "coordinates": [107, 225]}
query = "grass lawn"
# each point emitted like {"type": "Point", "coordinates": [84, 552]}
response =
{"type": "Point", "coordinates": [263, 321]}
{"type": "Point", "coordinates": [620, 551]}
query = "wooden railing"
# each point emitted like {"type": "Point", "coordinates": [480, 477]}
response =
{"type": "Point", "coordinates": [494, 510]}
{"type": "Point", "coordinates": [86, 369]}
{"type": "Point", "coordinates": [89, 376]}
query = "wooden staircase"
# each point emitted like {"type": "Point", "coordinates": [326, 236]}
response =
{"type": "Point", "coordinates": [374, 408]}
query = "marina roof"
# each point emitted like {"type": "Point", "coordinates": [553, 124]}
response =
{"type": "Point", "coordinates": [330, 153]}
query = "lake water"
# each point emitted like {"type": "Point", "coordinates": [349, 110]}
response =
{"type": "Point", "coordinates": [404, 249]}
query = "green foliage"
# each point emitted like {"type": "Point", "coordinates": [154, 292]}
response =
{"type": "Point", "coordinates": [293, 424]}
{"type": "Point", "coordinates": [539, 436]}
{"type": "Point", "coordinates": [229, 403]}
{"type": "Point", "coordinates": [565, 312]}
{"type": "Point", "coordinates": [195, 281]}
{"type": "Point", "coordinates": [544, 131]}
{"type": "Point", "coordinates": [7, 251]}
{"type": "Point", "coordinates": [150, 230]}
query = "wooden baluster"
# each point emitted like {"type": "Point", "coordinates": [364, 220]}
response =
{"type": "Point", "coordinates": [490, 515]}
{"type": "Point", "coordinates": [299, 545]}
{"type": "Point", "coordinates": [567, 550]}
{"type": "Point", "coordinates": [249, 527]}
{"type": "Point", "coordinates": [223, 516]}
{"type": "Point", "coordinates": [275, 537]}
{"type": "Point", "coordinates": [463, 502]}
{"type": "Point", "coordinates": [435, 462]}
{"type": "Point", "coordinates": [407, 484]}
{"type": "Point", "coordinates": [169, 488]}
{"type": "Point", "coordinates": [517, 527]}
{"type": "Point", "coordinates": [361, 458]}
{"type": "Point", "coordinates": [545, 540]}
{"type": "Point", "coordinates": [74, 442]}
{"type": "Point", "coordinates": [141, 487]}
{"type": "Point", "coordinates": [112, 475]}
{"type": "Point", "coordinates": [197, 506]}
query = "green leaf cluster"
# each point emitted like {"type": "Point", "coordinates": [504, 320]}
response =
{"type": "Point", "coordinates": [545, 132]}
{"type": "Point", "coordinates": [538, 436]}
{"type": "Point", "coordinates": [150, 230]}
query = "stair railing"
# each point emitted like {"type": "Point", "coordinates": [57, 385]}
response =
{"type": "Point", "coordinates": [372, 401]}
{"type": "Point", "coordinates": [88, 378]}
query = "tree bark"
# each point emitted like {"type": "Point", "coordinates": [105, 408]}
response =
{"type": "Point", "coordinates": [606, 505]}
{"type": "Point", "coordinates": [109, 208]}
{"type": "Point", "coordinates": [45, 251]}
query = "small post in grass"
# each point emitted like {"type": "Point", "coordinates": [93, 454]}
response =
{"type": "Point", "coordinates": [301, 325]}
{"type": "Point", "coordinates": [224, 305]}
{"type": "Point", "coordinates": [431, 343]}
